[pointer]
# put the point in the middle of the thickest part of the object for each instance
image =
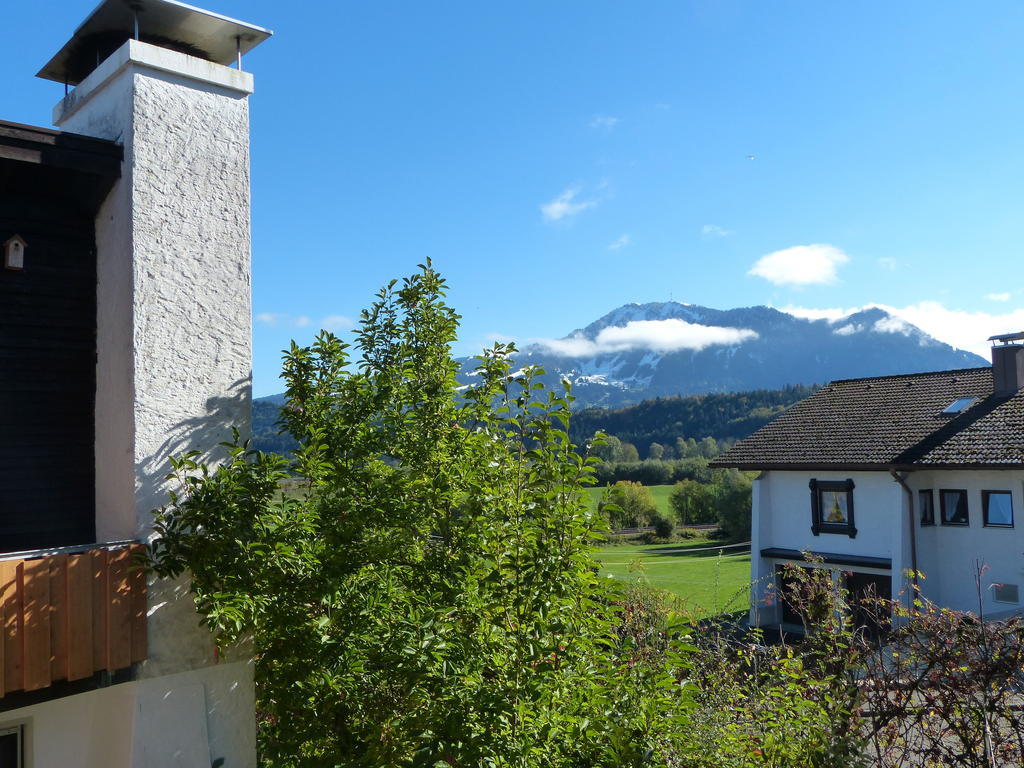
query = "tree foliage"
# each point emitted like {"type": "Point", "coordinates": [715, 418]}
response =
{"type": "Point", "coordinates": [693, 502]}
{"type": "Point", "coordinates": [429, 599]}
{"type": "Point", "coordinates": [732, 500]}
{"type": "Point", "coordinates": [724, 416]}
{"type": "Point", "coordinates": [628, 505]}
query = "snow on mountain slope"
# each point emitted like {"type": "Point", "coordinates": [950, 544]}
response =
{"type": "Point", "coordinates": [639, 351]}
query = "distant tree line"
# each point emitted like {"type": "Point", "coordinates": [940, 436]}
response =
{"type": "Point", "coordinates": [266, 433]}
{"type": "Point", "coordinates": [723, 416]}
{"type": "Point", "coordinates": [648, 430]}
{"type": "Point", "coordinates": [684, 459]}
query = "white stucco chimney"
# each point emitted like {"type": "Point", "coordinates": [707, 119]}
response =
{"type": "Point", "coordinates": [174, 359]}
{"type": "Point", "coordinates": [173, 239]}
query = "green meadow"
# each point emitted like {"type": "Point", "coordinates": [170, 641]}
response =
{"type": "Point", "coordinates": [708, 581]}
{"type": "Point", "coordinates": [659, 492]}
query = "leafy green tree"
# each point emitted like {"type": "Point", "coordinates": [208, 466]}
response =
{"type": "Point", "coordinates": [693, 469]}
{"type": "Point", "coordinates": [708, 448]}
{"type": "Point", "coordinates": [429, 598]}
{"type": "Point", "coordinates": [732, 499]}
{"type": "Point", "coordinates": [608, 449]}
{"type": "Point", "coordinates": [656, 451]}
{"type": "Point", "coordinates": [687, 449]}
{"type": "Point", "coordinates": [629, 452]}
{"type": "Point", "coordinates": [651, 472]}
{"type": "Point", "coordinates": [692, 502]}
{"type": "Point", "coordinates": [628, 505]}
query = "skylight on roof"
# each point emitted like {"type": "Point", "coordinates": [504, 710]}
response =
{"type": "Point", "coordinates": [959, 405]}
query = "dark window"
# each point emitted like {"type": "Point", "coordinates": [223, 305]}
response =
{"type": "Point", "coordinates": [1006, 593]}
{"type": "Point", "coordinates": [954, 507]}
{"type": "Point", "coordinates": [788, 591]}
{"type": "Point", "coordinates": [997, 507]}
{"type": "Point", "coordinates": [832, 507]}
{"type": "Point", "coordinates": [10, 748]}
{"type": "Point", "coordinates": [867, 596]}
{"type": "Point", "coordinates": [927, 500]}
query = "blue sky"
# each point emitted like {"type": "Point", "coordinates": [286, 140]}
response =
{"type": "Point", "coordinates": [557, 160]}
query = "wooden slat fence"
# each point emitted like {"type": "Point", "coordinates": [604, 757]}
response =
{"type": "Point", "coordinates": [68, 616]}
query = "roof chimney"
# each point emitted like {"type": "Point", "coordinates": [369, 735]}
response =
{"type": "Point", "coordinates": [172, 238]}
{"type": "Point", "coordinates": [1007, 363]}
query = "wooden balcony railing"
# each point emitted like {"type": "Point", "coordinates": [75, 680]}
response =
{"type": "Point", "coordinates": [69, 614]}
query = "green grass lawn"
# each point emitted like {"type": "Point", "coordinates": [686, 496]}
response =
{"type": "Point", "coordinates": [706, 582]}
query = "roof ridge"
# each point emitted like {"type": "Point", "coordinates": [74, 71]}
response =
{"type": "Point", "coordinates": [914, 375]}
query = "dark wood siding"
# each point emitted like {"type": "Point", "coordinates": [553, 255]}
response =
{"type": "Point", "coordinates": [47, 362]}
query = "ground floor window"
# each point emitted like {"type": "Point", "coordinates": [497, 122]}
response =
{"type": "Point", "coordinates": [11, 748]}
{"type": "Point", "coordinates": [1006, 593]}
{"type": "Point", "coordinates": [864, 590]}
{"type": "Point", "coordinates": [866, 593]}
{"type": "Point", "coordinates": [785, 580]}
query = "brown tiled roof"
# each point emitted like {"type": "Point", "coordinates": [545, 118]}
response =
{"type": "Point", "coordinates": [891, 421]}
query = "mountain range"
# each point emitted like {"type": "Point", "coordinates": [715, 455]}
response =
{"type": "Point", "coordinates": [641, 351]}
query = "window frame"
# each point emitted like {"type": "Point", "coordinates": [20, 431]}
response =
{"type": "Point", "coordinates": [942, 507]}
{"type": "Point", "coordinates": [985, 495]}
{"type": "Point", "coordinates": [818, 524]}
{"type": "Point", "coordinates": [18, 731]}
{"type": "Point", "coordinates": [1001, 586]}
{"type": "Point", "coordinates": [922, 494]}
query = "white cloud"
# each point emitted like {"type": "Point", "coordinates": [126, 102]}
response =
{"type": "Point", "coordinates": [800, 265]}
{"type": "Point", "coordinates": [832, 314]}
{"type": "Point", "coordinates": [892, 325]}
{"type": "Point", "coordinates": [655, 335]}
{"type": "Point", "coordinates": [957, 327]}
{"type": "Point", "coordinates": [998, 296]}
{"type": "Point", "coordinates": [621, 242]}
{"type": "Point", "coordinates": [269, 318]}
{"type": "Point", "coordinates": [285, 320]}
{"type": "Point", "coordinates": [887, 263]}
{"type": "Point", "coordinates": [713, 230]}
{"type": "Point", "coordinates": [275, 319]}
{"type": "Point", "coordinates": [607, 122]}
{"type": "Point", "coordinates": [336, 323]}
{"type": "Point", "coordinates": [565, 205]}
{"type": "Point", "coordinates": [848, 329]}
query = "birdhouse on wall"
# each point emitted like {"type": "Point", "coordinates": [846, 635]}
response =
{"type": "Point", "coordinates": [14, 253]}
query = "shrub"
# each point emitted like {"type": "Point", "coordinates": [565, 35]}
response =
{"type": "Point", "coordinates": [662, 526]}
{"type": "Point", "coordinates": [628, 505]}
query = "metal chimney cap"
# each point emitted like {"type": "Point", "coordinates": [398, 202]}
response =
{"type": "Point", "coordinates": [167, 23]}
{"type": "Point", "coordinates": [1006, 338]}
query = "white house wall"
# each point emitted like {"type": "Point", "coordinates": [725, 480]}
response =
{"type": "Point", "coordinates": [186, 720]}
{"type": "Point", "coordinates": [782, 518]}
{"type": "Point", "coordinates": [948, 555]}
{"type": "Point", "coordinates": [876, 500]}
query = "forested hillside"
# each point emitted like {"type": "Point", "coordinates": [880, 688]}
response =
{"type": "Point", "coordinates": [729, 416]}
{"type": "Point", "coordinates": [724, 417]}
{"type": "Point", "coordinates": [265, 435]}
